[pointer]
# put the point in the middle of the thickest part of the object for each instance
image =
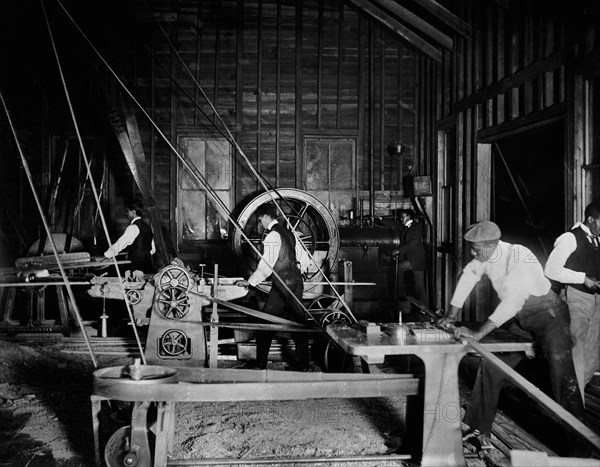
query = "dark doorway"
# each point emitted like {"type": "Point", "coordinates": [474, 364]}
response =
{"type": "Point", "coordinates": [528, 200]}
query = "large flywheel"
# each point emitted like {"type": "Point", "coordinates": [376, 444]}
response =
{"type": "Point", "coordinates": [312, 221]}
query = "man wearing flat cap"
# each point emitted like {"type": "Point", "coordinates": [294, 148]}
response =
{"type": "Point", "coordinates": [525, 295]}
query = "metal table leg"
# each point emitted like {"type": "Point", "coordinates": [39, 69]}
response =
{"type": "Point", "coordinates": [442, 436]}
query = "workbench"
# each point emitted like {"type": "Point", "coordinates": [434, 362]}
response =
{"type": "Point", "coordinates": [441, 355]}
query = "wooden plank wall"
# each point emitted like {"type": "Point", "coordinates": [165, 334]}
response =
{"type": "Point", "coordinates": [276, 71]}
{"type": "Point", "coordinates": [510, 74]}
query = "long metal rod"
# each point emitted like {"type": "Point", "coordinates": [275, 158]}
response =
{"type": "Point", "coordinates": [48, 233]}
{"type": "Point", "coordinates": [291, 460]}
{"type": "Point", "coordinates": [93, 186]}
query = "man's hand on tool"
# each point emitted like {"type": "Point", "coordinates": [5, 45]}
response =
{"type": "Point", "coordinates": [242, 283]}
{"type": "Point", "coordinates": [449, 319]}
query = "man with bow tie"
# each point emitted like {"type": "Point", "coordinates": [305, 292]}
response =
{"type": "Point", "coordinates": [575, 262]}
{"type": "Point", "coordinates": [284, 300]}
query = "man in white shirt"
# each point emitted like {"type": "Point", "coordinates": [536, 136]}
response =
{"type": "Point", "coordinates": [575, 262]}
{"type": "Point", "coordinates": [137, 240]}
{"type": "Point", "coordinates": [525, 295]}
{"type": "Point", "coordinates": [279, 255]}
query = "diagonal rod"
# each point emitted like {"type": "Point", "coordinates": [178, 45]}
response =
{"type": "Point", "coordinates": [48, 233]}
{"type": "Point", "coordinates": [92, 184]}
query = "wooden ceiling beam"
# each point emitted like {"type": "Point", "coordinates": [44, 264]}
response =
{"type": "Point", "coordinates": [416, 22]}
{"type": "Point", "coordinates": [407, 34]}
{"type": "Point", "coordinates": [449, 18]}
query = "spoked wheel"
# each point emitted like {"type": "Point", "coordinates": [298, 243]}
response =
{"type": "Point", "coordinates": [311, 220]}
{"type": "Point", "coordinates": [173, 277]}
{"type": "Point", "coordinates": [174, 343]}
{"type": "Point", "coordinates": [133, 296]}
{"type": "Point", "coordinates": [173, 302]}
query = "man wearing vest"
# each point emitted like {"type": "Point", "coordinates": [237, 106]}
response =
{"type": "Point", "coordinates": [279, 255]}
{"type": "Point", "coordinates": [575, 262]}
{"type": "Point", "coordinates": [137, 241]}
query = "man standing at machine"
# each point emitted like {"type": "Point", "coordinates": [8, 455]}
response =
{"type": "Point", "coordinates": [284, 300]}
{"type": "Point", "coordinates": [411, 257]}
{"type": "Point", "coordinates": [525, 295]}
{"type": "Point", "coordinates": [137, 241]}
{"type": "Point", "coordinates": [575, 262]}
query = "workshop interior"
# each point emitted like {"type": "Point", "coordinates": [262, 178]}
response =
{"type": "Point", "coordinates": [379, 131]}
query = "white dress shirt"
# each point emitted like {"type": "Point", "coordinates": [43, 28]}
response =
{"type": "Point", "coordinates": [515, 274]}
{"type": "Point", "coordinates": [564, 246]}
{"type": "Point", "coordinates": [128, 237]}
{"type": "Point", "coordinates": [271, 247]}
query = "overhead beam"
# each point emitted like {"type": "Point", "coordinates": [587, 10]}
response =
{"type": "Point", "coordinates": [407, 34]}
{"type": "Point", "coordinates": [449, 18]}
{"type": "Point", "coordinates": [416, 22]}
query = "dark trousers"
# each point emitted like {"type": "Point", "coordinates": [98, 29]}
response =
{"type": "Point", "coordinates": [140, 261]}
{"type": "Point", "coordinates": [281, 303]}
{"type": "Point", "coordinates": [403, 285]}
{"type": "Point", "coordinates": [547, 319]}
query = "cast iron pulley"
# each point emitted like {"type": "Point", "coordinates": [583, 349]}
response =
{"type": "Point", "coordinates": [119, 451]}
{"type": "Point", "coordinates": [333, 316]}
{"type": "Point", "coordinates": [174, 277]}
{"type": "Point", "coordinates": [323, 305]}
{"type": "Point", "coordinates": [312, 222]}
{"type": "Point", "coordinates": [172, 302]}
{"type": "Point", "coordinates": [172, 286]}
{"type": "Point", "coordinates": [133, 296]}
{"type": "Point", "coordinates": [174, 342]}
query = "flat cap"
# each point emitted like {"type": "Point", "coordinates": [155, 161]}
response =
{"type": "Point", "coordinates": [484, 231]}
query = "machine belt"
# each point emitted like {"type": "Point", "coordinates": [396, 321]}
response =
{"type": "Point", "coordinates": [249, 311]}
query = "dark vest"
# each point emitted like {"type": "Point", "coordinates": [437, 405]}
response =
{"type": "Point", "coordinates": [286, 261]}
{"type": "Point", "coordinates": [585, 258]}
{"type": "Point", "coordinates": [139, 250]}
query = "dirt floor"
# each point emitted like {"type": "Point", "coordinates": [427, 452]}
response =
{"type": "Point", "coordinates": [45, 418]}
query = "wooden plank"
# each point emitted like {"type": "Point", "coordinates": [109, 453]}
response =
{"type": "Point", "coordinates": [511, 83]}
{"type": "Point", "coordinates": [340, 61]}
{"type": "Point", "coordinates": [228, 392]}
{"type": "Point", "coordinates": [539, 396]}
{"type": "Point", "coordinates": [447, 17]}
{"type": "Point", "coordinates": [416, 22]}
{"type": "Point", "coordinates": [300, 162]}
{"type": "Point", "coordinates": [500, 67]}
{"type": "Point", "coordinates": [483, 193]}
{"type": "Point", "coordinates": [238, 375]}
{"type": "Point", "coordinates": [519, 125]}
{"type": "Point", "coordinates": [214, 319]}
{"type": "Point", "coordinates": [421, 44]}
